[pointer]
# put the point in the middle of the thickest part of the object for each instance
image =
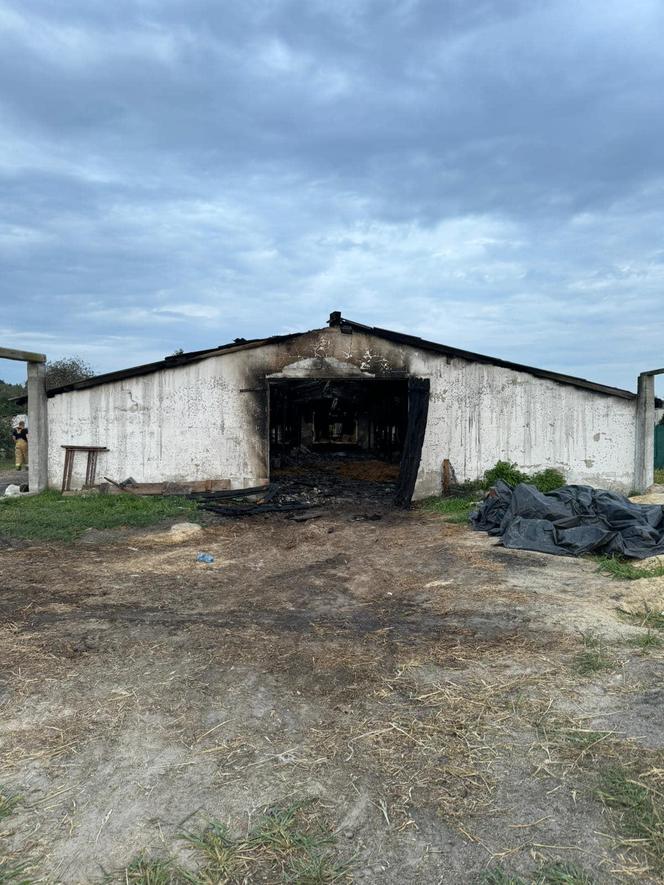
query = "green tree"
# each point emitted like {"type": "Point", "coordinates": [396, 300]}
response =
{"type": "Point", "coordinates": [67, 370]}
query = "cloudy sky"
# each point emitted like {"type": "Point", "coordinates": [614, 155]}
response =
{"type": "Point", "coordinates": [485, 173]}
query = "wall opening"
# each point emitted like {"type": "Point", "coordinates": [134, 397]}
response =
{"type": "Point", "coordinates": [348, 434]}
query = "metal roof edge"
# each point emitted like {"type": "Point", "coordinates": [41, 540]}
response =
{"type": "Point", "coordinates": [423, 344]}
{"type": "Point", "coordinates": [170, 362]}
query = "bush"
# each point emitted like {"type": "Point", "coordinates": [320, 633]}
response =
{"type": "Point", "coordinates": [545, 480]}
{"type": "Point", "coordinates": [509, 473]}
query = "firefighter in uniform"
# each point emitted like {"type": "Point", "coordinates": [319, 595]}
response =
{"type": "Point", "coordinates": [20, 435]}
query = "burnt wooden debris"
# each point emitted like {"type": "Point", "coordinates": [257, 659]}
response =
{"type": "Point", "coordinates": [272, 498]}
{"type": "Point", "coordinates": [253, 509]}
{"type": "Point", "coordinates": [219, 495]}
{"type": "Point", "coordinates": [124, 486]}
{"type": "Point", "coordinates": [307, 484]}
{"type": "Point", "coordinates": [231, 502]}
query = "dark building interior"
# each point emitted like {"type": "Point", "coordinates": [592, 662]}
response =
{"type": "Point", "coordinates": [361, 419]}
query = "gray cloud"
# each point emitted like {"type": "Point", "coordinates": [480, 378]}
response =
{"type": "Point", "coordinates": [487, 174]}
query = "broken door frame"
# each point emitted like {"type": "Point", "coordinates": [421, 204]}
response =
{"type": "Point", "coordinates": [418, 413]}
{"type": "Point", "coordinates": [418, 410]}
{"type": "Point", "coordinates": [37, 415]}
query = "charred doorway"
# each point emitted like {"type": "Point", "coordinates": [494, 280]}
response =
{"type": "Point", "coordinates": [346, 437]}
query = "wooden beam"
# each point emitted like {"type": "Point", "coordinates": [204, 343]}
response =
{"type": "Point", "coordinates": [6, 353]}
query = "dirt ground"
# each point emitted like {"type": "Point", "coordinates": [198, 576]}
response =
{"type": "Point", "coordinates": [410, 675]}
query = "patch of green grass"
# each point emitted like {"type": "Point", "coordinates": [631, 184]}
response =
{"type": "Point", "coordinates": [593, 658]}
{"type": "Point", "coordinates": [51, 516]}
{"type": "Point", "coordinates": [560, 873]}
{"type": "Point", "coordinates": [287, 845]}
{"type": "Point", "coordinates": [453, 509]}
{"type": "Point", "coordinates": [448, 505]}
{"type": "Point", "coordinates": [7, 464]}
{"type": "Point", "coordinates": [314, 869]}
{"type": "Point", "coordinates": [647, 641]}
{"type": "Point", "coordinates": [638, 801]}
{"type": "Point", "coordinates": [584, 738]}
{"type": "Point", "coordinates": [8, 802]}
{"type": "Point", "coordinates": [13, 874]}
{"type": "Point", "coordinates": [625, 570]}
{"type": "Point", "coordinates": [279, 831]}
{"type": "Point", "coordinates": [552, 873]}
{"type": "Point", "coordinates": [222, 856]}
{"type": "Point", "coordinates": [659, 476]}
{"type": "Point", "coordinates": [144, 870]}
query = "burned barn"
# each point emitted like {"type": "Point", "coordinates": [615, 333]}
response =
{"type": "Point", "coordinates": [347, 392]}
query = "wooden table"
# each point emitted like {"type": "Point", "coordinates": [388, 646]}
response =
{"type": "Point", "coordinates": [90, 467]}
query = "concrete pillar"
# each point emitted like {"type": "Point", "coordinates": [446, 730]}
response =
{"type": "Point", "coordinates": [37, 427]}
{"type": "Point", "coordinates": [644, 462]}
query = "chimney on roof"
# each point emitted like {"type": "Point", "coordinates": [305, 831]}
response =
{"type": "Point", "coordinates": [335, 318]}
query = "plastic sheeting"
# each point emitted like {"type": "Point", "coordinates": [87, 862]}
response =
{"type": "Point", "coordinates": [570, 521]}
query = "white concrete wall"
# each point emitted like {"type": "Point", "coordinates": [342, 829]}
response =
{"type": "Point", "coordinates": [481, 414]}
{"type": "Point", "coordinates": [184, 423]}
{"type": "Point", "coordinates": [206, 420]}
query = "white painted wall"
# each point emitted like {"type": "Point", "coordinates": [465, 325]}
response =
{"type": "Point", "coordinates": [204, 420]}
{"type": "Point", "coordinates": [481, 414]}
{"type": "Point", "coordinates": [184, 423]}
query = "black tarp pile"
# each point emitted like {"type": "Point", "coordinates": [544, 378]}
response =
{"type": "Point", "coordinates": [571, 521]}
